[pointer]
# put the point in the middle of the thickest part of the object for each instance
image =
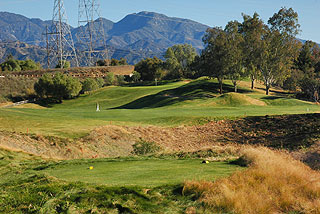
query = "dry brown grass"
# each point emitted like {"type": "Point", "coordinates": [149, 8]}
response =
{"type": "Point", "coordinates": [30, 106]}
{"type": "Point", "coordinates": [274, 183]}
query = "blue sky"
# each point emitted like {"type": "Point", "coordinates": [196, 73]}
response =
{"type": "Point", "coordinates": [210, 12]}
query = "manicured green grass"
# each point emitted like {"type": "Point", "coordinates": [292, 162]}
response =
{"type": "Point", "coordinates": [146, 173]}
{"type": "Point", "coordinates": [170, 104]}
{"type": "Point", "coordinates": [134, 185]}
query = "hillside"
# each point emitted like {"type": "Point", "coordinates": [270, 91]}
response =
{"type": "Point", "coordinates": [15, 27]}
{"type": "Point", "coordinates": [136, 36]}
{"type": "Point", "coordinates": [22, 51]}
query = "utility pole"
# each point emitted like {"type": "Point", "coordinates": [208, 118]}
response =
{"type": "Point", "coordinates": [48, 50]}
{"type": "Point", "coordinates": [60, 45]}
{"type": "Point", "coordinates": [92, 35]}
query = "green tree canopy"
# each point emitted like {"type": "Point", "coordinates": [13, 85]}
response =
{"type": "Point", "coordinates": [63, 64]}
{"type": "Point", "coordinates": [90, 84]}
{"type": "Point", "coordinates": [252, 29]}
{"type": "Point", "coordinates": [223, 56]}
{"type": "Point", "coordinates": [215, 55]}
{"type": "Point", "coordinates": [57, 87]}
{"type": "Point", "coordinates": [309, 56]}
{"type": "Point", "coordinates": [12, 64]}
{"type": "Point", "coordinates": [235, 52]}
{"type": "Point", "coordinates": [308, 66]}
{"type": "Point", "coordinates": [279, 47]}
{"type": "Point", "coordinates": [112, 62]}
{"type": "Point", "coordinates": [148, 68]}
{"type": "Point", "coordinates": [178, 60]}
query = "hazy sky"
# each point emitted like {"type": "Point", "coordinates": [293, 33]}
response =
{"type": "Point", "coordinates": [210, 12]}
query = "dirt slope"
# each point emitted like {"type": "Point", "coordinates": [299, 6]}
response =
{"type": "Point", "coordinates": [299, 134]}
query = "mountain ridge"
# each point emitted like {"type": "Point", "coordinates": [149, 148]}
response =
{"type": "Point", "coordinates": [136, 36]}
{"type": "Point", "coordinates": [145, 33]}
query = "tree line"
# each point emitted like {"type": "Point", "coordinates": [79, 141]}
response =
{"type": "Point", "coordinates": [56, 87]}
{"type": "Point", "coordinates": [11, 64]}
{"type": "Point", "coordinates": [252, 49]}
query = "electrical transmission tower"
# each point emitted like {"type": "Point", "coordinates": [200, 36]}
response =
{"type": "Point", "coordinates": [91, 35]}
{"type": "Point", "coordinates": [60, 44]}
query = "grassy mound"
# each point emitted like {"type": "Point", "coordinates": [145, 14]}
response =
{"type": "Point", "coordinates": [193, 92]}
{"type": "Point", "coordinates": [236, 99]}
{"type": "Point", "coordinates": [275, 183]}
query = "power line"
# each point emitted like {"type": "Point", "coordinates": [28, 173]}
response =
{"type": "Point", "coordinates": [60, 46]}
{"type": "Point", "coordinates": [92, 33]}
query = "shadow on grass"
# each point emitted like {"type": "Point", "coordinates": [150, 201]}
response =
{"type": "Point", "coordinates": [278, 93]}
{"type": "Point", "coordinates": [48, 102]}
{"type": "Point", "coordinates": [272, 98]}
{"type": "Point", "coordinates": [150, 83]}
{"type": "Point", "coordinates": [201, 89]}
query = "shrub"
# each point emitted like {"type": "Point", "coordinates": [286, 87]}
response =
{"type": "Point", "coordinates": [109, 79]}
{"type": "Point", "coordinates": [115, 62]}
{"type": "Point", "coordinates": [136, 76]}
{"type": "Point", "coordinates": [120, 80]}
{"type": "Point", "coordinates": [16, 88]}
{"type": "Point", "coordinates": [100, 82]}
{"type": "Point", "coordinates": [58, 87]}
{"type": "Point", "coordinates": [89, 84]}
{"type": "Point", "coordinates": [63, 64]}
{"type": "Point", "coordinates": [102, 62]}
{"type": "Point", "coordinates": [29, 65]}
{"type": "Point", "coordinates": [148, 68]}
{"type": "Point", "coordinates": [11, 65]}
{"type": "Point", "coordinates": [145, 148]}
{"type": "Point", "coordinates": [274, 183]}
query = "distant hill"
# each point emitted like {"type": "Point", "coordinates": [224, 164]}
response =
{"type": "Point", "coordinates": [22, 51]}
{"type": "Point", "coordinates": [153, 28]}
{"type": "Point", "coordinates": [136, 36]}
{"type": "Point", "coordinates": [14, 27]}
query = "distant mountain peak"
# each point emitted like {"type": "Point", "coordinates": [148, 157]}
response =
{"type": "Point", "coordinates": [150, 14]}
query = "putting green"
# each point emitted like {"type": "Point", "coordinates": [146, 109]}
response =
{"type": "Point", "coordinates": [141, 172]}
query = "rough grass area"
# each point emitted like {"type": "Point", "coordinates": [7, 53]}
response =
{"type": "Point", "coordinates": [146, 173]}
{"type": "Point", "coordinates": [297, 133]}
{"type": "Point", "coordinates": [275, 183]}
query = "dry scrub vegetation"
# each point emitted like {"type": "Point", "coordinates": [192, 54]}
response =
{"type": "Point", "coordinates": [16, 88]}
{"type": "Point", "coordinates": [274, 183]}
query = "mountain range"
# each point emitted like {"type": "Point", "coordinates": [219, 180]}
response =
{"type": "Point", "coordinates": [136, 36]}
